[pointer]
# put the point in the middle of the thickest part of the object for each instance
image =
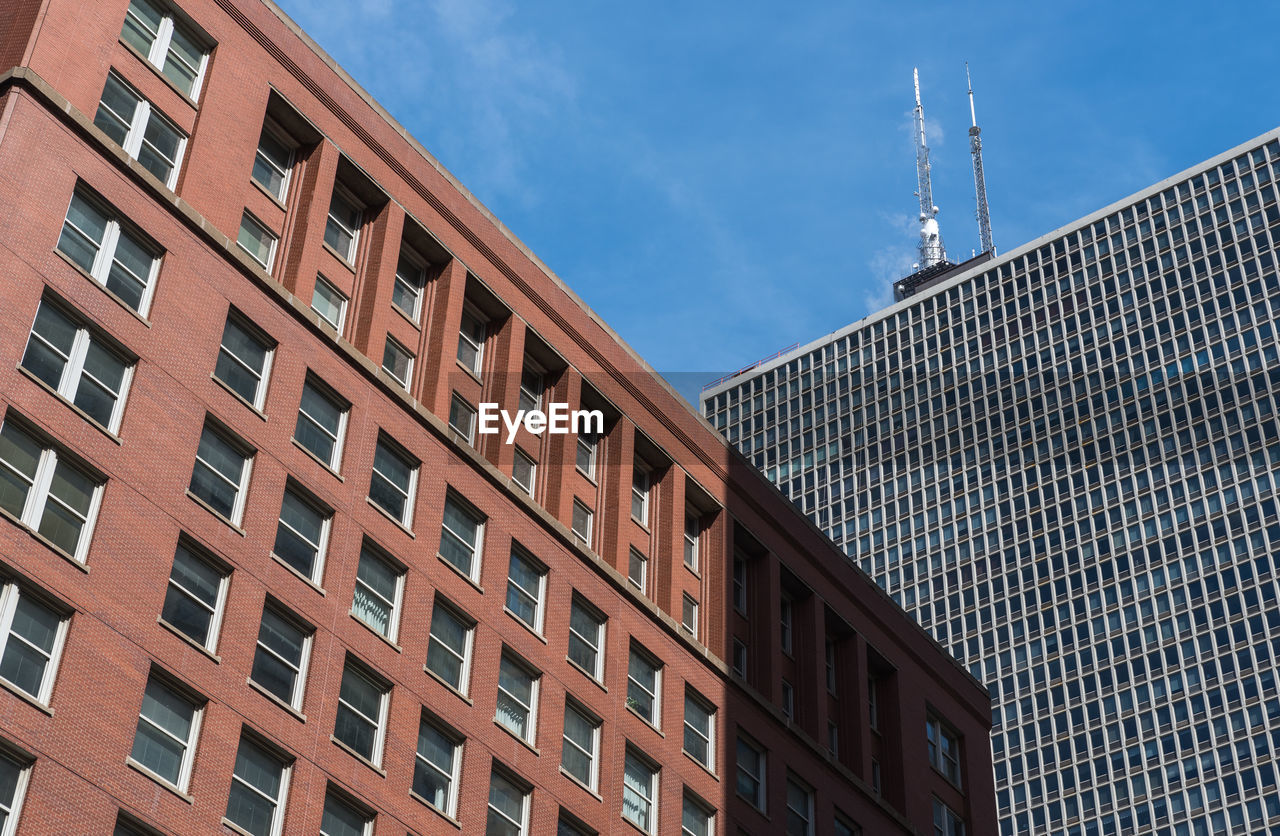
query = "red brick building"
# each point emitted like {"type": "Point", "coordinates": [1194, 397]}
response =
{"type": "Point", "coordinates": [260, 574]}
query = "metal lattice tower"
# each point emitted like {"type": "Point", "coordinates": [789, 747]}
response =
{"type": "Point", "coordinates": [931, 249]}
{"type": "Point", "coordinates": [979, 179]}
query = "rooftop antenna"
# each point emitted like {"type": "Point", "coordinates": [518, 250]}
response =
{"type": "Point", "coordinates": [979, 179]}
{"type": "Point", "coordinates": [931, 250]}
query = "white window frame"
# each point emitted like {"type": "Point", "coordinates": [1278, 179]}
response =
{"type": "Point", "coordinates": [786, 623]}
{"type": "Point", "coordinates": [601, 622]}
{"type": "Point", "coordinates": [938, 734]}
{"type": "Point", "coordinates": [459, 406]}
{"type": "Point", "coordinates": [40, 492]}
{"type": "Point", "coordinates": [689, 614]}
{"type": "Point", "coordinates": [531, 399]}
{"type": "Point", "coordinates": [482, 321]}
{"type": "Point", "coordinates": [268, 346]}
{"type": "Point", "coordinates": [398, 452]}
{"type": "Point", "coordinates": [105, 249]}
{"type": "Point", "coordinates": [588, 516]}
{"type": "Point", "coordinates": [635, 558]}
{"type": "Point", "coordinates": [739, 666]}
{"type": "Point", "coordinates": [832, 673]}
{"type": "Point", "coordinates": [242, 488]}
{"type": "Point", "coordinates": [10, 596]}
{"type": "Point", "coordinates": [788, 700]}
{"type": "Point", "coordinates": [702, 807]}
{"type": "Point", "coordinates": [468, 642]}
{"type": "Point", "coordinates": [322, 282]}
{"type": "Point", "coordinates": [139, 121]}
{"type": "Point", "coordinates": [454, 775]}
{"type": "Point", "coordinates": [759, 777]}
{"type": "Point", "coordinates": [533, 471]}
{"type": "Point", "coordinates": [946, 822]}
{"type": "Point", "coordinates": [531, 709]}
{"type": "Point", "coordinates": [502, 775]}
{"type": "Point", "coordinates": [477, 551]}
{"type": "Point", "coordinates": [593, 753]}
{"type": "Point", "coordinates": [158, 54]}
{"type": "Point", "coordinates": [416, 285]}
{"type": "Point", "coordinates": [709, 739]}
{"type": "Point", "coordinates": [379, 723]}
{"type": "Point", "coordinates": [322, 546]}
{"type": "Point", "coordinates": [537, 596]}
{"type": "Point", "coordinates": [590, 445]}
{"type": "Point", "coordinates": [215, 616]}
{"type": "Point", "coordinates": [692, 538]}
{"type": "Point", "coordinates": [740, 597]}
{"type": "Point", "coordinates": [873, 703]}
{"type": "Point", "coordinates": [640, 487]}
{"type": "Point", "coordinates": [379, 554]}
{"type": "Point", "coordinates": [806, 814]}
{"type": "Point", "coordinates": [73, 369]}
{"type": "Point", "coordinates": [366, 827]}
{"type": "Point", "coordinates": [272, 128]}
{"type": "Point", "coordinates": [655, 695]}
{"type": "Point", "coordinates": [651, 800]}
{"type": "Point", "coordinates": [14, 806]}
{"type": "Point", "coordinates": [325, 393]}
{"type": "Point", "coordinates": [286, 771]}
{"type": "Point", "coordinates": [189, 745]}
{"type": "Point", "coordinates": [248, 219]}
{"type": "Point", "coordinates": [308, 633]}
{"type": "Point", "coordinates": [348, 196]}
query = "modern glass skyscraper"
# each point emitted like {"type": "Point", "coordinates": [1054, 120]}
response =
{"type": "Point", "coordinates": [1064, 462]}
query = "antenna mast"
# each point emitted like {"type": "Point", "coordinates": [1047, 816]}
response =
{"type": "Point", "coordinates": [931, 250]}
{"type": "Point", "coordinates": [979, 179]}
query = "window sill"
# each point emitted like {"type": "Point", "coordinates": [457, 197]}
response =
{"type": "Point", "coordinates": [637, 828]}
{"type": "Point", "coordinates": [474, 583]}
{"type": "Point", "coordinates": [452, 690]}
{"type": "Point", "coordinates": [517, 738]}
{"type": "Point", "coordinates": [417, 326]}
{"type": "Point", "coordinates": [590, 478]}
{"type": "Point", "coordinates": [525, 625]}
{"type": "Point", "coordinates": [388, 642]}
{"type": "Point", "coordinates": [701, 765]}
{"type": "Point", "coordinates": [471, 373]}
{"type": "Point", "coordinates": [277, 201]}
{"type": "Point", "coordinates": [341, 260]}
{"type": "Point", "coordinates": [433, 808]}
{"type": "Point", "coordinates": [353, 753]}
{"type": "Point", "coordinates": [297, 574]}
{"type": "Point", "coordinates": [45, 541]}
{"type": "Point", "coordinates": [156, 71]}
{"type": "Point", "coordinates": [693, 570]}
{"type": "Point", "coordinates": [103, 288]}
{"type": "Point", "coordinates": [588, 674]}
{"type": "Point", "coordinates": [206, 506]}
{"type": "Point", "coordinates": [206, 651]}
{"type": "Point", "coordinates": [384, 512]}
{"type": "Point", "coordinates": [234, 828]}
{"type": "Point", "coordinates": [578, 782]}
{"type": "Point", "coordinates": [944, 777]}
{"type": "Point", "coordinates": [335, 474]}
{"type": "Point", "coordinates": [25, 697]}
{"type": "Point", "coordinates": [164, 783]}
{"type": "Point", "coordinates": [298, 715]}
{"type": "Point", "coordinates": [642, 719]}
{"type": "Point", "coordinates": [214, 377]}
{"type": "Point", "coordinates": [86, 416]}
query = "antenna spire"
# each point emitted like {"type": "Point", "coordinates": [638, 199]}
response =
{"type": "Point", "coordinates": [982, 214]}
{"type": "Point", "coordinates": [931, 249]}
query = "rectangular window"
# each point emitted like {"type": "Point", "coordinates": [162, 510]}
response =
{"type": "Point", "coordinates": [846, 827]}
{"type": "Point", "coordinates": [692, 536]}
{"type": "Point", "coordinates": [788, 700]}
{"type": "Point", "coordinates": [302, 533]}
{"type": "Point", "coordinates": [126, 825]}
{"type": "Point", "coordinates": [14, 775]}
{"type": "Point", "coordinates": [259, 785]}
{"type": "Point", "coordinates": [449, 646]}
{"type": "Point", "coordinates": [49, 492]}
{"type": "Point", "coordinates": [330, 303]}
{"type": "Point", "coordinates": [461, 538]}
{"type": "Point", "coordinates": [875, 776]}
{"type": "Point", "coordinates": [258, 241]}
{"type": "Point", "coordinates": [393, 481]}
{"type": "Point", "coordinates": [508, 807]}
{"type": "Point", "coordinates": [640, 792]}
{"type": "Point", "coordinates": [786, 617]}
{"type": "Point", "coordinates": [361, 722]}
{"type": "Point", "coordinates": [273, 162]}
{"type": "Point", "coordinates": [526, 589]}
{"type": "Point", "coordinates": [196, 595]}
{"type": "Point", "coordinates": [343, 817]}
{"type": "Point", "coordinates": [946, 822]}
{"type": "Point", "coordinates": [437, 767]}
{"type": "Point", "coordinates": [523, 471]}
{"type": "Point", "coordinates": [581, 746]}
{"type": "Point", "coordinates": [582, 523]}
{"type": "Point", "coordinates": [411, 277]}
{"type": "Point", "coordinates": [833, 738]}
{"type": "Point", "coordinates": [640, 493]}
{"type": "Point", "coordinates": [588, 444]}
{"type": "Point", "coordinates": [740, 658]}
{"type": "Point", "coordinates": [517, 698]}
{"type": "Point", "coordinates": [342, 229]}
{"type": "Point", "coordinates": [944, 749]}
{"type": "Point", "coordinates": [462, 419]}
{"type": "Point", "coordinates": [739, 584]}
{"type": "Point", "coordinates": [799, 808]}
{"type": "Point", "coordinates": [699, 729]}
{"type": "Point", "coordinates": [78, 363]}
{"type": "Point", "coordinates": [697, 819]}
{"type": "Point", "coordinates": [751, 775]}
{"type": "Point", "coordinates": [168, 725]}
{"type": "Point", "coordinates": [244, 360]}
{"type": "Point", "coordinates": [873, 702]}
{"type": "Point", "coordinates": [280, 659]}
{"type": "Point", "coordinates": [379, 589]}
{"type": "Point", "coordinates": [31, 639]}
{"type": "Point", "coordinates": [322, 422]}
{"type": "Point", "coordinates": [644, 686]}
{"type": "Point", "coordinates": [638, 570]}
{"type": "Point", "coordinates": [168, 43]}
{"type": "Point", "coordinates": [567, 825]}
{"type": "Point", "coordinates": [220, 477]}
{"type": "Point", "coordinates": [531, 387]}
{"type": "Point", "coordinates": [471, 340]}
{"type": "Point", "coordinates": [830, 649]}
{"type": "Point", "coordinates": [115, 257]}
{"type": "Point", "coordinates": [689, 615]}
{"type": "Point", "coordinates": [586, 638]}
{"type": "Point", "coordinates": [143, 132]}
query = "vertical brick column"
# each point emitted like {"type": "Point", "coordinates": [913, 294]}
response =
{"type": "Point", "coordinates": [851, 682]}
{"type": "Point", "coordinates": [666, 527]}
{"type": "Point", "coordinates": [502, 386]}
{"type": "Point", "coordinates": [559, 451]}
{"type": "Point", "coordinates": [444, 318]}
{"type": "Point", "coordinates": [371, 298]}
{"type": "Point", "coordinates": [300, 246]}
{"type": "Point", "coordinates": [614, 478]}
{"type": "Point", "coordinates": [766, 609]}
{"type": "Point", "coordinates": [811, 657]}
{"type": "Point", "coordinates": [715, 562]}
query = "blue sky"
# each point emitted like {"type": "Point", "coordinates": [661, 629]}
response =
{"type": "Point", "coordinates": [721, 180]}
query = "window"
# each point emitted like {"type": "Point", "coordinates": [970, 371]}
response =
{"type": "Point", "coordinates": [833, 738]}
{"type": "Point", "coordinates": [342, 229]}
{"type": "Point", "coordinates": [526, 589]}
{"type": "Point", "coordinates": [437, 767]}
{"type": "Point", "coordinates": [195, 597]}
{"type": "Point", "coordinates": [244, 360]}
{"type": "Point", "coordinates": [751, 763]}
{"type": "Point", "coordinates": [361, 722]}
{"type": "Point", "coordinates": [126, 825]}
{"type": "Point", "coordinates": [581, 744]}
{"type": "Point", "coordinates": [136, 126]}
{"type": "Point", "coordinates": [330, 303]}
{"type": "Point", "coordinates": [31, 639]}
{"type": "Point", "coordinates": [258, 788]}
{"type": "Point", "coordinates": [508, 807]}
{"type": "Point", "coordinates": [168, 725]}
{"type": "Point", "coordinates": [875, 776]}
{"type": "Point", "coordinates": [344, 818]}
{"type": "Point", "coordinates": [569, 826]}
{"type": "Point", "coordinates": [449, 646]}
{"type": "Point", "coordinates": [740, 658]}
{"type": "Point", "coordinates": [273, 163]}
{"type": "Point", "coordinates": [523, 471]}
{"type": "Point", "coordinates": [303, 533]}
{"type": "Point", "coordinates": [586, 638]}
{"type": "Point", "coordinates": [280, 660]}
{"type": "Point", "coordinates": [799, 808]}
{"type": "Point", "coordinates": [830, 649]}
{"type": "Point", "coordinates": [640, 792]}
{"type": "Point", "coordinates": [946, 822]}
{"type": "Point", "coordinates": [582, 523]}
{"type": "Point", "coordinates": [394, 478]}
{"type": "Point", "coordinates": [166, 42]}
{"type": "Point", "coordinates": [13, 786]}
{"type": "Point", "coordinates": [640, 493]}
{"type": "Point", "coordinates": [644, 686]}
{"type": "Point", "coordinates": [322, 422]}
{"type": "Point", "coordinates": [411, 277]}
{"type": "Point", "coordinates": [115, 257]}
{"type": "Point", "coordinates": [944, 749]}
{"type": "Point", "coordinates": [461, 536]}
{"type": "Point", "coordinates": [873, 702]}
{"type": "Point", "coordinates": [221, 473]}
{"type": "Point", "coordinates": [471, 340]}
{"type": "Point", "coordinates": [788, 700]}
{"type": "Point", "coordinates": [697, 818]}
{"type": "Point", "coordinates": [42, 487]}
{"type": "Point", "coordinates": [462, 418]}
{"type": "Point", "coordinates": [845, 827]}
{"type": "Point", "coordinates": [638, 570]}
{"type": "Point", "coordinates": [531, 387]}
{"type": "Point", "coordinates": [699, 730]}
{"type": "Point", "coordinates": [785, 609]}
{"type": "Point", "coordinates": [78, 364]}
{"type": "Point", "coordinates": [379, 588]}
{"type": "Point", "coordinates": [586, 455]}
{"type": "Point", "coordinates": [739, 584]}
{"type": "Point", "coordinates": [692, 534]}
{"type": "Point", "coordinates": [517, 698]}
{"type": "Point", "coordinates": [258, 241]}
{"type": "Point", "coordinates": [689, 615]}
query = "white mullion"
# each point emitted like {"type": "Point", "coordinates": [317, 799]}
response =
{"type": "Point", "coordinates": [137, 127]}
{"type": "Point", "coordinates": [39, 493]}
{"type": "Point", "coordinates": [160, 46]}
{"type": "Point", "coordinates": [8, 606]}
{"type": "Point", "coordinates": [75, 364]}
